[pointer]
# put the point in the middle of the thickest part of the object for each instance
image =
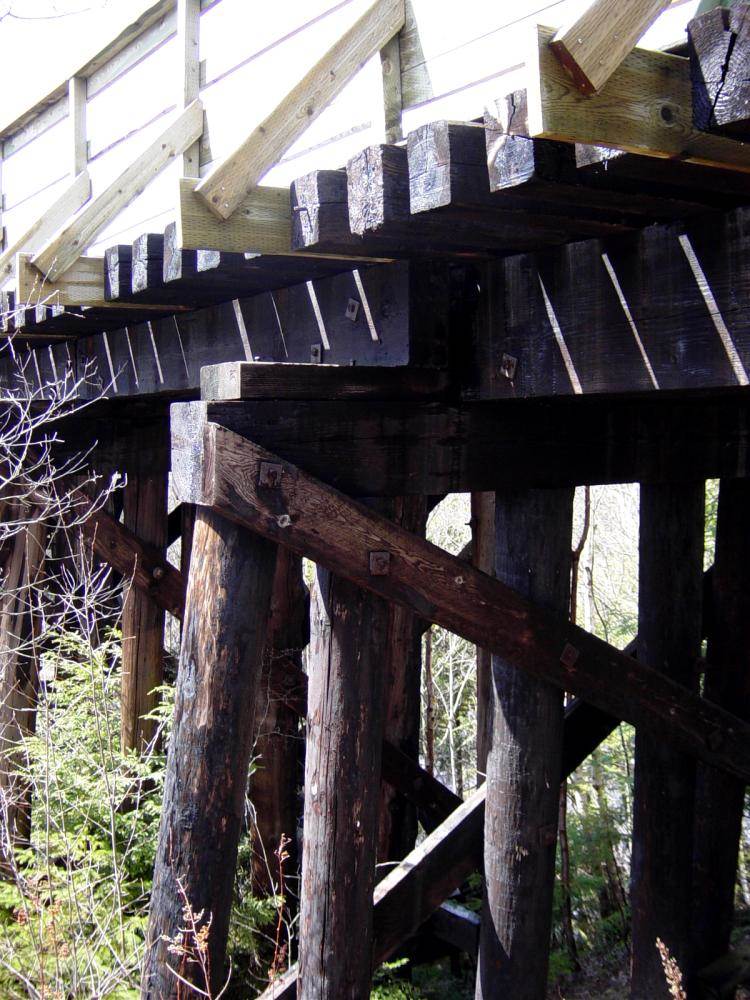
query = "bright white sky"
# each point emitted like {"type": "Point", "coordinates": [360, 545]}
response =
{"type": "Point", "coordinates": [44, 41]}
{"type": "Point", "coordinates": [54, 31]}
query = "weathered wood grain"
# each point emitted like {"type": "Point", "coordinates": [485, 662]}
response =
{"type": "Point", "coordinates": [550, 172]}
{"type": "Point", "coordinates": [646, 108]}
{"type": "Point", "coordinates": [402, 666]}
{"type": "Point", "coordinates": [719, 49]}
{"type": "Point", "coordinates": [448, 170]}
{"type": "Point", "coordinates": [594, 45]}
{"type": "Point", "coordinates": [720, 798]}
{"type": "Point", "coordinates": [276, 751]}
{"type": "Point", "coordinates": [269, 380]}
{"type": "Point", "coordinates": [395, 449]}
{"type": "Point", "coordinates": [220, 661]}
{"type": "Point", "coordinates": [135, 558]}
{"type": "Point", "coordinates": [145, 510]}
{"type": "Point", "coordinates": [482, 556]}
{"type": "Point", "coordinates": [261, 222]}
{"type": "Point", "coordinates": [342, 778]}
{"type": "Point", "coordinates": [441, 588]}
{"type": "Point", "coordinates": [669, 636]}
{"type": "Point", "coordinates": [533, 556]}
{"type": "Point", "coordinates": [81, 285]}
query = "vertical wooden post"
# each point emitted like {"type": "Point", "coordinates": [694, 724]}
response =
{"type": "Point", "coordinates": [226, 612]}
{"type": "Point", "coordinates": [342, 776]}
{"type": "Point", "coordinates": [19, 670]}
{"type": "Point", "coordinates": [186, 538]}
{"type": "Point", "coordinates": [532, 554]}
{"type": "Point", "coordinates": [390, 63]}
{"type": "Point", "coordinates": [483, 557]}
{"type": "Point", "coordinates": [402, 666]}
{"type": "Point", "coordinates": [188, 45]}
{"type": "Point", "coordinates": [145, 511]}
{"type": "Point", "coordinates": [720, 797]}
{"type": "Point", "coordinates": [273, 785]}
{"type": "Point", "coordinates": [77, 116]}
{"type": "Point", "coordinates": [669, 639]}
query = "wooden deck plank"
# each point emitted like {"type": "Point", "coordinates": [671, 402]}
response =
{"type": "Point", "coordinates": [645, 107]}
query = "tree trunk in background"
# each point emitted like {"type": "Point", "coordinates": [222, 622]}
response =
{"type": "Point", "coordinates": [720, 797]}
{"type": "Point", "coordinates": [532, 554]}
{"type": "Point", "coordinates": [22, 571]}
{"type": "Point", "coordinates": [274, 783]}
{"type": "Point", "coordinates": [226, 615]}
{"type": "Point", "coordinates": [349, 630]}
{"type": "Point", "coordinates": [397, 817]}
{"type": "Point", "coordinates": [145, 512]}
{"type": "Point", "coordinates": [669, 639]}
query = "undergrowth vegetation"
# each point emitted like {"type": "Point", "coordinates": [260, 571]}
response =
{"type": "Point", "coordinates": [74, 897]}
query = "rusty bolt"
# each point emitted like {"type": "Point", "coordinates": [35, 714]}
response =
{"type": "Point", "coordinates": [270, 475]}
{"type": "Point", "coordinates": [352, 310]}
{"type": "Point", "coordinates": [283, 520]}
{"type": "Point", "coordinates": [380, 563]}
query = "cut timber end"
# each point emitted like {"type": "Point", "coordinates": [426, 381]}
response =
{"type": "Point", "coordinates": [593, 46]}
{"type": "Point", "coordinates": [261, 224]}
{"type": "Point", "coordinates": [82, 285]}
{"type": "Point", "coordinates": [719, 48]}
{"type": "Point", "coordinates": [644, 108]}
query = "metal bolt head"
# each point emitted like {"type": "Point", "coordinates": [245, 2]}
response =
{"type": "Point", "coordinates": [270, 475]}
{"type": "Point", "coordinates": [157, 572]}
{"type": "Point", "coordinates": [569, 656]}
{"type": "Point", "coordinates": [508, 366]}
{"type": "Point", "coordinates": [283, 520]}
{"type": "Point", "coordinates": [352, 310]}
{"type": "Point", "coordinates": [380, 563]}
{"type": "Point", "coordinates": [316, 353]}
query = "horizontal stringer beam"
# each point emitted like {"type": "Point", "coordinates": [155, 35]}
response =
{"type": "Point", "coordinates": [257, 489]}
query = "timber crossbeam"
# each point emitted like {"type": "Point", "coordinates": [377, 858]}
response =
{"type": "Point", "coordinates": [256, 489]}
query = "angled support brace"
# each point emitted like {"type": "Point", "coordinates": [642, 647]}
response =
{"type": "Point", "coordinates": [224, 189]}
{"type": "Point", "coordinates": [274, 498]}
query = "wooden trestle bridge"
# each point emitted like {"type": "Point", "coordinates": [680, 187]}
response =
{"type": "Point", "coordinates": [556, 294]}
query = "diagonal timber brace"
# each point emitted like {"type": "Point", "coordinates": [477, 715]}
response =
{"type": "Point", "coordinates": [135, 559]}
{"type": "Point", "coordinates": [144, 564]}
{"type": "Point", "coordinates": [273, 498]}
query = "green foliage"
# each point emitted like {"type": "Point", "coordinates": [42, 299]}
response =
{"type": "Point", "coordinates": [73, 916]}
{"type": "Point", "coordinates": [74, 905]}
